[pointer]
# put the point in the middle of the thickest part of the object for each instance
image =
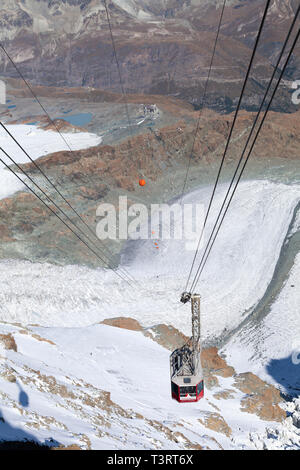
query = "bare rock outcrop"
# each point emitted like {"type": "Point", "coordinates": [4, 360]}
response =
{"type": "Point", "coordinates": [8, 342]}
{"type": "Point", "coordinates": [260, 398]}
{"type": "Point", "coordinates": [216, 422]}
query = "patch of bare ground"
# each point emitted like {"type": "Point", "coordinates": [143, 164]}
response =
{"type": "Point", "coordinates": [8, 342]}
{"type": "Point", "coordinates": [37, 337]}
{"type": "Point", "coordinates": [8, 374]}
{"type": "Point", "coordinates": [260, 398]}
{"type": "Point", "coordinates": [225, 394]}
{"type": "Point", "coordinates": [216, 422]}
{"type": "Point", "coordinates": [213, 405]}
{"type": "Point", "coordinates": [167, 336]}
{"type": "Point", "coordinates": [213, 366]}
{"type": "Point", "coordinates": [213, 362]}
{"type": "Point", "coordinates": [123, 322]}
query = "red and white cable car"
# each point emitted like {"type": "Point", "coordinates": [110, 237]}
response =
{"type": "Point", "coordinates": [187, 383]}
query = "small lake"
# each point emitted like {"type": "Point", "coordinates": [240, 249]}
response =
{"type": "Point", "coordinates": [80, 120]}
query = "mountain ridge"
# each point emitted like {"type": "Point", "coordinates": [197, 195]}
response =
{"type": "Point", "coordinates": [164, 47]}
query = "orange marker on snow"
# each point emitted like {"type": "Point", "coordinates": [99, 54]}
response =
{"type": "Point", "coordinates": [142, 182]}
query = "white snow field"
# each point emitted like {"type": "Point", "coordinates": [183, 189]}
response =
{"type": "Point", "coordinates": [63, 379]}
{"type": "Point", "coordinates": [37, 143]}
{"type": "Point", "coordinates": [9, 184]}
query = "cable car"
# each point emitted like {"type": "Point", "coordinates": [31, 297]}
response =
{"type": "Point", "coordinates": [187, 382]}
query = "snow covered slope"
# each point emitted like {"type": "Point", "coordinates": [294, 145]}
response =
{"type": "Point", "coordinates": [271, 347]}
{"type": "Point", "coordinates": [238, 273]}
{"type": "Point", "coordinates": [107, 388]}
{"type": "Point", "coordinates": [37, 143]}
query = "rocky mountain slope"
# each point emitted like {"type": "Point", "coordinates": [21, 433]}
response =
{"type": "Point", "coordinates": [163, 46]}
{"type": "Point", "coordinates": [101, 173]}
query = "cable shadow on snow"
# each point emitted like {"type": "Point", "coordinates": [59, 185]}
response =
{"type": "Point", "coordinates": [23, 397]}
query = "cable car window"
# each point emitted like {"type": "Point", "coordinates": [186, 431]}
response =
{"type": "Point", "coordinates": [187, 391]}
{"type": "Point", "coordinates": [200, 387]}
{"type": "Point", "coordinates": [187, 380]}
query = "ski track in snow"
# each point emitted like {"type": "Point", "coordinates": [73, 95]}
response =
{"type": "Point", "coordinates": [37, 143]}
